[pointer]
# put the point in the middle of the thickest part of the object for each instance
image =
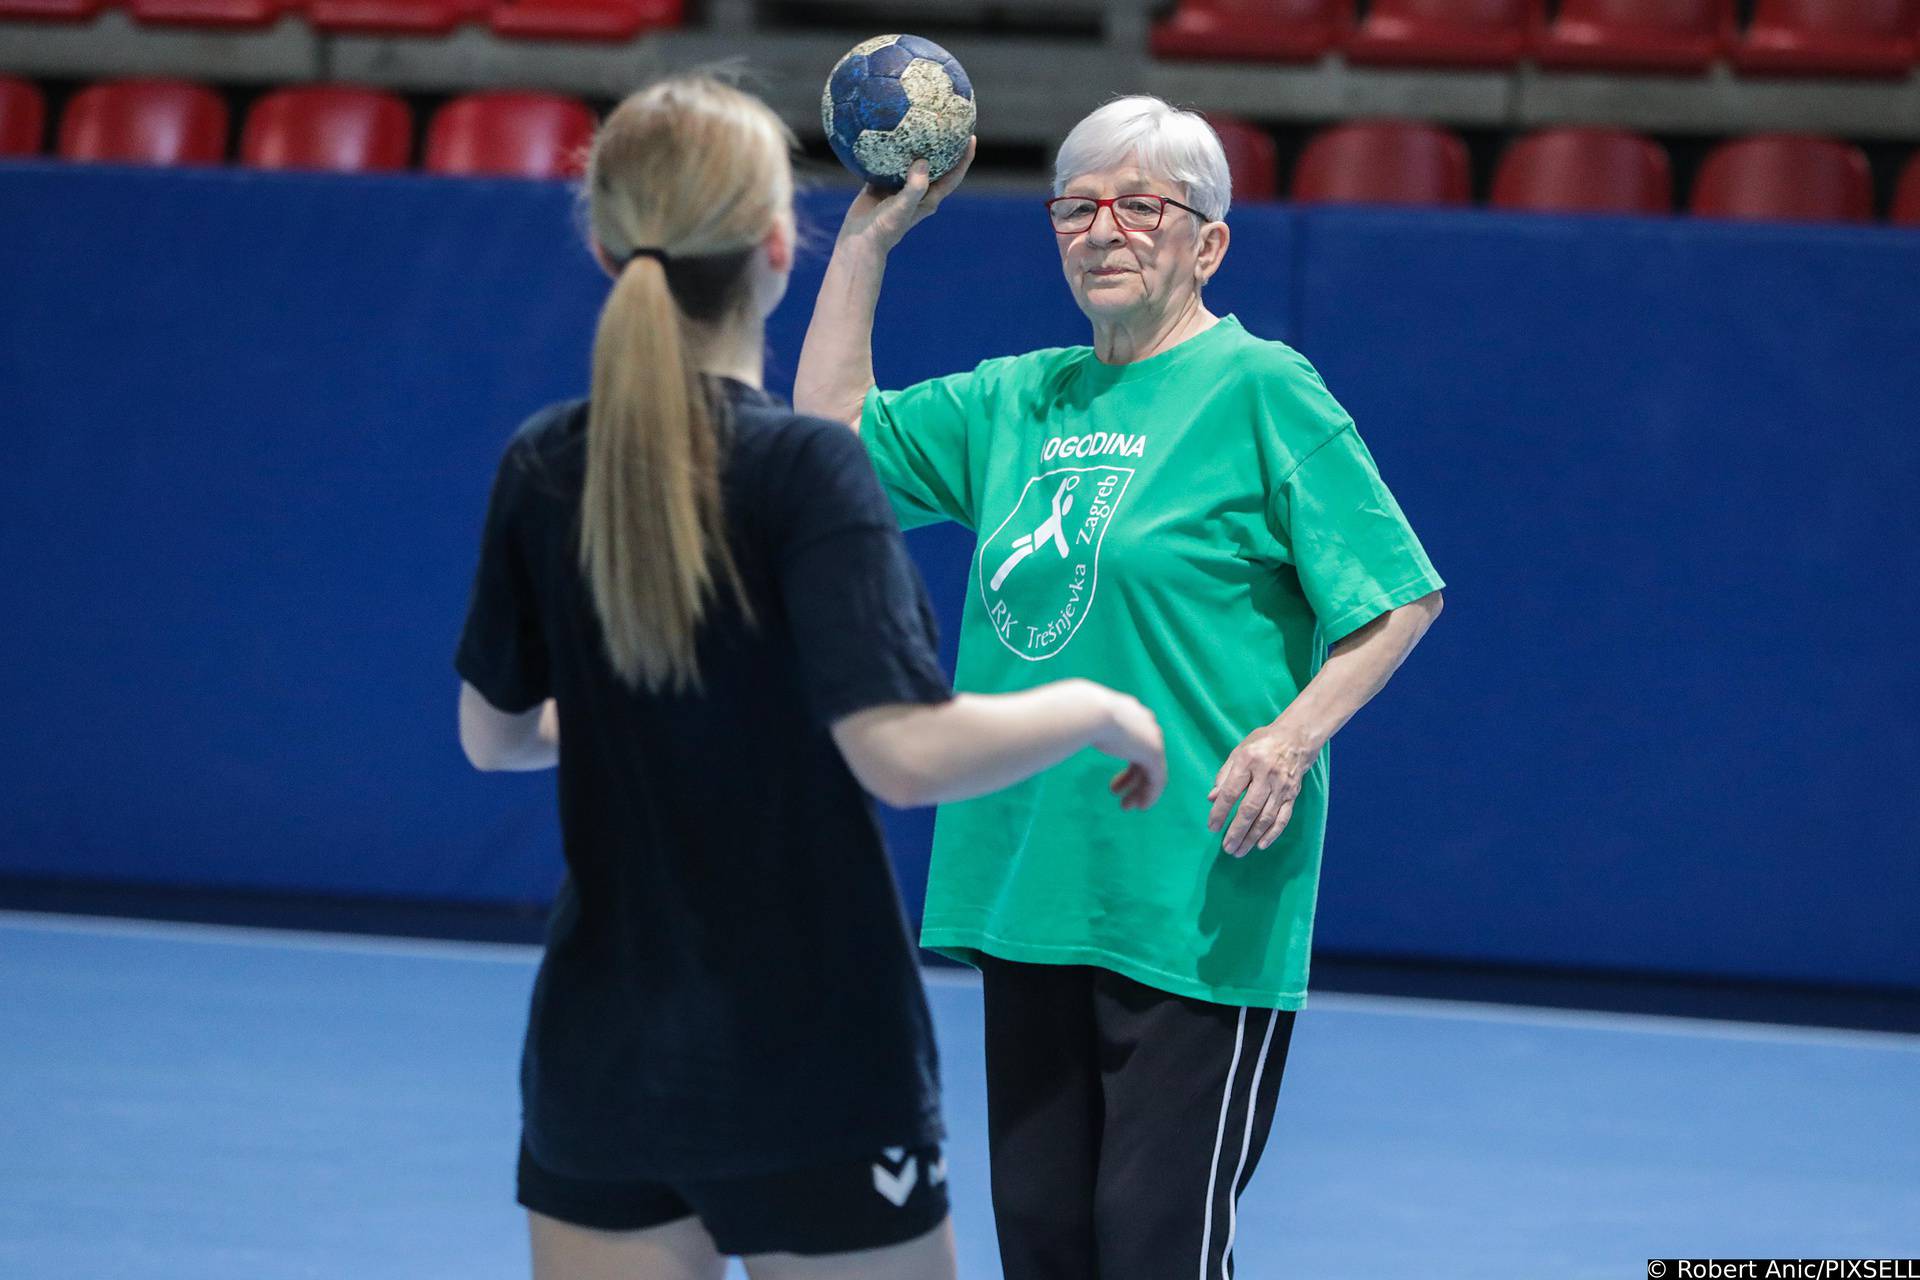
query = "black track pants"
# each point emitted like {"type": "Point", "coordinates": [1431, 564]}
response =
{"type": "Point", "coordinates": [1124, 1122]}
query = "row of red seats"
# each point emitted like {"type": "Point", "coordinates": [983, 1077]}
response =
{"type": "Point", "coordinates": [541, 19]}
{"type": "Point", "coordinates": [342, 128]}
{"type": "Point", "coordinates": [1785, 37]}
{"type": "Point", "coordinates": [1596, 170]}
{"type": "Point", "coordinates": [350, 129]}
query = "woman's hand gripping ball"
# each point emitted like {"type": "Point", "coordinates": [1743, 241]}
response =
{"type": "Point", "coordinates": [881, 219]}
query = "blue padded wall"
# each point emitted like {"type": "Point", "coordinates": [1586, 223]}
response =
{"type": "Point", "coordinates": [251, 422]}
{"type": "Point", "coordinates": [1668, 469]}
{"type": "Point", "coordinates": [1665, 467]}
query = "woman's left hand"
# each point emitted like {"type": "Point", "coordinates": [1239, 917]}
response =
{"type": "Point", "coordinates": [1263, 775]}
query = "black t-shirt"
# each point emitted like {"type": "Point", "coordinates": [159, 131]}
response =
{"type": "Point", "coordinates": [729, 986]}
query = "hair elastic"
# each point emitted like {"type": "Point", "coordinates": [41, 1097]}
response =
{"type": "Point", "coordinates": [659, 255]}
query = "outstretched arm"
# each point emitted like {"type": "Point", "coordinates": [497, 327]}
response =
{"type": "Point", "coordinates": [912, 754]}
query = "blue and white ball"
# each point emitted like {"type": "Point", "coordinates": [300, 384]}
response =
{"type": "Point", "coordinates": [893, 100]}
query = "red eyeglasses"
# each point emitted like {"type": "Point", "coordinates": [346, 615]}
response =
{"type": "Point", "coordinates": [1139, 211]}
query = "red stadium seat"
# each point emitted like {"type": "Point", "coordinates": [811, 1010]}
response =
{"type": "Point", "coordinates": [583, 19]}
{"type": "Point", "coordinates": [1830, 37]}
{"type": "Point", "coordinates": [1637, 35]}
{"type": "Point", "coordinates": [526, 135]}
{"type": "Point", "coordinates": [1906, 197]}
{"type": "Point", "coordinates": [1252, 158]}
{"type": "Point", "coordinates": [1785, 176]}
{"type": "Point", "coordinates": [23, 117]}
{"type": "Point", "coordinates": [1445, 33]}
{"type": "Point", "coordinates": [1585, 171]}
{"type": "Point", "coordinates": [340, 128]}
{"type": "Point", "coordinates": [1252, 30]}
{"type": "Point", "coordinates": [1384, 162]}
{"type": "Point", "coordinates": [394, 17]}
{"type": "Point", "coordinates": [165, 122]}
{"type": "Point", "coordinates": [209, 13]}
{"type": "Point", "coordinates": [50, 10]}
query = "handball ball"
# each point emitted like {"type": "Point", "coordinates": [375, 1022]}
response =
{"type": "Point", "coordinates": [893, 100]}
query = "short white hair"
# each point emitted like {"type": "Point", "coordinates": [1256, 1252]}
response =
{"type": "Point", "coordinates": [1169, 143]}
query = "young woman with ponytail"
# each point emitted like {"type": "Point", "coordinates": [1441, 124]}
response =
{"type": "Point", "coordinates": [697, 604]}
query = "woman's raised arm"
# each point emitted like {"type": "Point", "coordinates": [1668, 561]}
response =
{"type": "Point", "coordinates": [836, 360]}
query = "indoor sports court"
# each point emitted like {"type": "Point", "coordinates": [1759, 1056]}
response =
{"type": "Point", "coordinates": [1612, 940]}
{"type": "Point", "coordinates": [209, 1101]}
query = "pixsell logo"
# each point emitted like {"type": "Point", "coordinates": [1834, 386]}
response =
{"type": "Point", "coordinates": [1038, 570]}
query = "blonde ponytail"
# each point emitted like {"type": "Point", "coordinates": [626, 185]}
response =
{"type": "Point", "coordinates": [699, 170]}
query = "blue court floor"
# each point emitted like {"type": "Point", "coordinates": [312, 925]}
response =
{"type": "Point", "coordinates": [189, 1103]}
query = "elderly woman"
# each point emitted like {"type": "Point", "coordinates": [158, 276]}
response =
{"type": "Point", "coordinates": [1183, 511]}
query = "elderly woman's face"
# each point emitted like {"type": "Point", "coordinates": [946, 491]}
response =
{"type": "Point", "coordinates": [1116, 273]}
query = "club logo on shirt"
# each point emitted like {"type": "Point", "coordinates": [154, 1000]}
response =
{"type": "Point", "coordinates": [1038, 570]}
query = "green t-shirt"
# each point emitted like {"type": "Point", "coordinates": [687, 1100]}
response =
{"type": "Point", "coordinates": [1194, 529]}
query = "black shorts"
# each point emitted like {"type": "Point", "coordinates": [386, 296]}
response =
{"type": "Point", "coordinates": [894, 1196]}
